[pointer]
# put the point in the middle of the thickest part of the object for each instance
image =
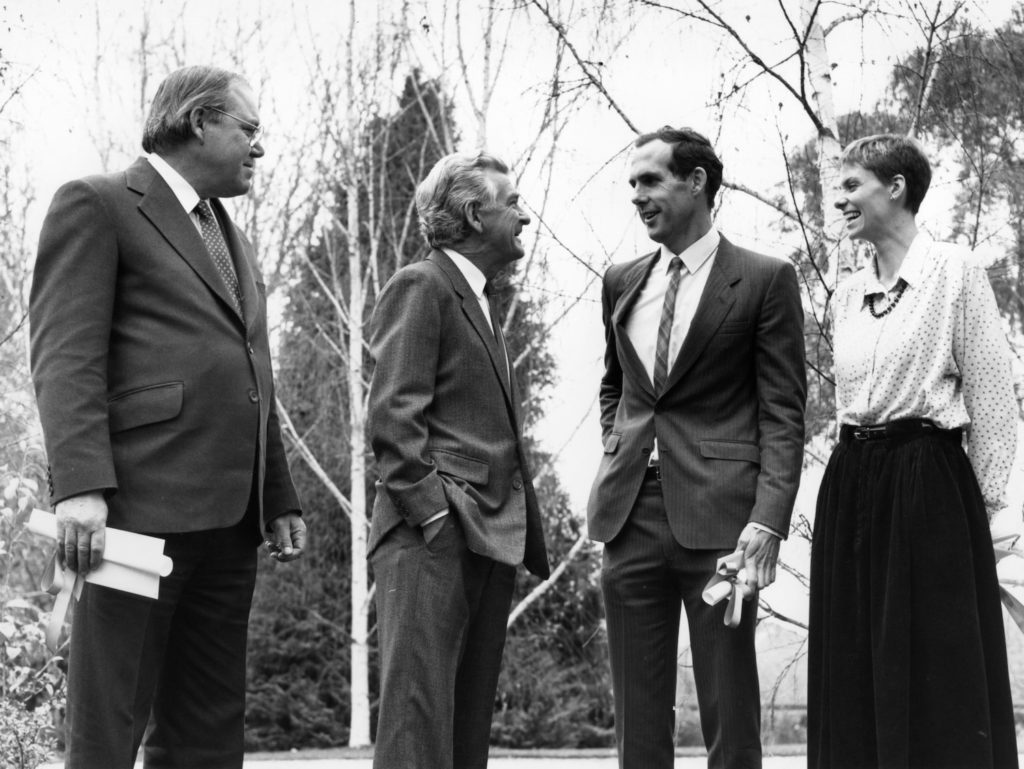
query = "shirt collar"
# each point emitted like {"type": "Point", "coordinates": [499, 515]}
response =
{"type": "Point", "coordinates": [912, 271]}
{"type": "Point", "coordinates": [476, 279]}
{"type": "Point", "coordinates": [696, 254]}
{"type": "Point", "coordinates": [182, 190]}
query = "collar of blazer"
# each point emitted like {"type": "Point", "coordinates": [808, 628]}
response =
{"type": "Point", "coordinates": [714, 305]}
{"type": "Point", "coordinates": [475, 315]}
{"type": "Point", "coordinates": [163, 210]}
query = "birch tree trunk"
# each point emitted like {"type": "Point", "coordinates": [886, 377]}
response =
{"type": "Point", "coordinates": [819, 71]}
{"type": "Point", "coordinates": [359, 687]}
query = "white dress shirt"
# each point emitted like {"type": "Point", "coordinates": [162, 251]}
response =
{"type": "Point", "coordinates": [645, 315]}
{"type": "Point", "coordinates": [182, 190]}
{"type": "Point", "coordinates": [475, 278]}
{"type": "Point", "coordinates": [941, 354]}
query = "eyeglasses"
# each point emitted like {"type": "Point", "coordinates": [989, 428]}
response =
{"type": "Point", "coordinates": [254, 133]}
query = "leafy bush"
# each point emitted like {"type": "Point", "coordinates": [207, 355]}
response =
{"type": "Point", "coordinates": [31, 680]}
{"type": "Point", "coordinates": [31, 689]}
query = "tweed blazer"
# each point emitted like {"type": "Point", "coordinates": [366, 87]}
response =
{"type": "Point", "coordinates": [730, 419]}
{"type": "Point", "coordinates": [150, 385]}
{"type": "Point", "coordinates": [444, 419]}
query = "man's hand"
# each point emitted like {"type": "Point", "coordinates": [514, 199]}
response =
{"type": "Point", "coordinates": [760, 552]}
{"type": "Point", "coordinates": [432, 529]}
{"type": "Point", "coordinates": [81, 531]}
{"type": "Point", "coordinates": [287, 537]}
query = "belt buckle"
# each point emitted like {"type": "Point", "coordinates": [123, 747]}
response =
{"type": "Point", "coordinates": [868, 432]}
{"type": "Point", "coordinates": [657, 470]}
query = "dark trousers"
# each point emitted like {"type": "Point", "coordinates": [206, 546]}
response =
{"type": "Point", "coordinates": [441, 615]}
{"type": "Point", "coordinates": [175, 665]}
{"type": "Point", "coordinates": [647, 576]}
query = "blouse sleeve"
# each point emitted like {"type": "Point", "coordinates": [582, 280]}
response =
{"type": "Point", "coordinates": [982, 354]}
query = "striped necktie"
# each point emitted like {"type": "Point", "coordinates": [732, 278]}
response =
{"type": "Point", "coordinates": [668, 311]}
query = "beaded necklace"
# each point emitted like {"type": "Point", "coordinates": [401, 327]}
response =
{"type": "Point", "coordinates": [895, 300]}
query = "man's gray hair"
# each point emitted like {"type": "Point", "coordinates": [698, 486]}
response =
{"type": "Point", "coordinates": [441, 199]}
{"type": "Point", "coordinates": [181, 92]}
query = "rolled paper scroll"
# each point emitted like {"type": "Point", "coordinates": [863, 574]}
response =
{"type": "Point", "coordinates": [131, 562]}
{"type": "Point", "coordinates": [729, 581]}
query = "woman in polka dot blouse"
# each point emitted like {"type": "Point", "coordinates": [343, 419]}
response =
{"type": "Point", "coordinates": [907, 657]}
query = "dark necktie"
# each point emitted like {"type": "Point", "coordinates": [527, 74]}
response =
{"type": "Point", "coordinates": [214, 240]}
{"type": "Point", "coordinates": [498, 335]}
{"type": "Point", "coordinates": [668, 311]}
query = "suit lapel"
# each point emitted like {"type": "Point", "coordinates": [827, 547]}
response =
{"type": "Point", "coordinates": [632, 284]}
{"type": "Point", "coordinates": [715, 302]}
{"type": "Point", "coordinates": [164, 211]}
{"type": "Point", "coordinates": [475, 315]}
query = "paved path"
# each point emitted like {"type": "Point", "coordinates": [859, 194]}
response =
{"type": "Point", "coordinates": [280, 761]}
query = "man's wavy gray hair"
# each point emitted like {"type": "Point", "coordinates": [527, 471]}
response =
{"type": "Point", "coordinates": [441, 199]}
{"type": "Point", "coordinates": [181, 92]}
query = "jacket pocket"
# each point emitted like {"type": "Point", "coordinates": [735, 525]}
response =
{"type": "Point", "coordinates": [735, 327]}
{"type": "Point", "coordinates": [611, 443]}
{"type": "Point", "coordinates": [145, 405]}
{"type": "Point", "coordinates": [468, 469]}
{"type": "Point", "coordinates": [741, 451]}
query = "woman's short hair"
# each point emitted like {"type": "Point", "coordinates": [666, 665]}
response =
{"type": "Point", "coordinates": [453, 182]}
{"type": "Point", "coordinates": [891, 155]}
{"type": "Point", "coordinates": [690, 150]}
{"type": "Point", "coordinates": [181, 92]}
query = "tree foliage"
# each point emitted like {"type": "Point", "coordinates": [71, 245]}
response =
{"type": "Point", "coordinates": [975, 111]}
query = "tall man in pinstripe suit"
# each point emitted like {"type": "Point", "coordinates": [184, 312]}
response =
{"type": "Point", "coordinates": [702, 405]}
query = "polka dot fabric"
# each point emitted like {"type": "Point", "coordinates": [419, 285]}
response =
{"type": "Point", "coordinates": [218, 249]}
{"type": "Point", "coordinates": [941, 354]}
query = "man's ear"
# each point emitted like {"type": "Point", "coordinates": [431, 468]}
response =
{"type": "Point", "coordinates": [198, 119]}
{"type": "Point", "coordinates": [471, 211]}
{"type": "Point", "coordinates": [699, 179]}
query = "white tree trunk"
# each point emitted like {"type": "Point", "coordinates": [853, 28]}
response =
{"type": "Point", "coordinates": [359, 726]}
{"type": "Point", "coordinates": [829, 149]}
{"type": "Point", "coordinates": [359, 670]}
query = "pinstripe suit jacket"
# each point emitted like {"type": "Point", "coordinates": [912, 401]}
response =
{"type": "Point", "coordinates": [444, 418]}
{"type": "Point", "coordinates": [730, 421]}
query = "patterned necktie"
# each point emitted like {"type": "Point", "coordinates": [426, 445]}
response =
{"type": "Point", "coordinates": [218, 249]}
{"type": "Point", "coordinates": [668, 311]}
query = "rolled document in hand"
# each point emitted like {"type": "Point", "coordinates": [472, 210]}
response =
{"type": "Point", "coordinates": [729, 581]}
{"type": "Point", "coordinates": [131, 562]}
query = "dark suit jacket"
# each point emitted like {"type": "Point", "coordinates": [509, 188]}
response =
{"type": "Point", "coordinates": [150, 386]}
{"type": "Point", "coordinates": [729, 423]}
{"type": "Point", "coordinates": [444, 418]}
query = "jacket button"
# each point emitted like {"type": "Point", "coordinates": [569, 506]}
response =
{"type": "Point", "coordinates": [254, 396]}
{"type": "Point", "coordinates": [517, 484]}
{"type": "Point", "coordinates": [249, 348]}
{"type": "Point", "coordinates": [645, 450]}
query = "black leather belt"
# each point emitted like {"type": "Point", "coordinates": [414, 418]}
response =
{"type": "Point", "coordinates": [653, 473]}
{"type": "Point", "coordinates": [900, 428]}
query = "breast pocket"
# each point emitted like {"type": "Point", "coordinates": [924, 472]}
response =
{"type": "Point", "coordinates": [736, 327]}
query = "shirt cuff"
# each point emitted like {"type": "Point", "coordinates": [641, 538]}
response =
{"type": "Point", "coordinates": [762, 527]}
{"type": "Point", "coordinates": [435, 517]}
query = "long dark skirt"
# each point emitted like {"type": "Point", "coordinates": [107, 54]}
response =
{"type": "Point", "coordinates": [907, 655]}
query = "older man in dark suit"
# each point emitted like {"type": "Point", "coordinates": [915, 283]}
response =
{"type": "Point", "coordinates": [455, 510]}
{"type": "Point", "coordinates": [152, 370]}
{"type": "Point", "coordinates": [702, 417]}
